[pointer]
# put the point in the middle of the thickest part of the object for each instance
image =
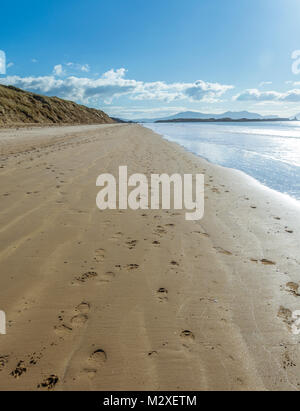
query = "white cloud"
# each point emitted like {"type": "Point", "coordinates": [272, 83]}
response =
{"type": "Point", "coordinates": [294, 83]}
{"type": "Point", "coordinates": [114, 84]}
{"type": "Point", "coordinates": [81, 67]}
{"type": "Point", "coordinates": [58, 70]}
{"type": "Point", "coordinates": [290, 96]}
{"type": "Point", "coordinates": [85, 68]}
{"type": "Point", "coordinates": [265, 83]}
{"type": "Point", "coordinates": [10, 65]}
{"type": "Point", "coordinates": [34, 61]}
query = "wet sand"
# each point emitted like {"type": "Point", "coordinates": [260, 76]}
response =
{"type": "Point", "coordinates": [140, 300]}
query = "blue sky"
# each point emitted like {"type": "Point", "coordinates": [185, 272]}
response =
{"type": "Point", "coordinates": [146, 59]}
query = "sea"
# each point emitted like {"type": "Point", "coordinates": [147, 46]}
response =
{"type": "Point", "coordinates": [266, 151]}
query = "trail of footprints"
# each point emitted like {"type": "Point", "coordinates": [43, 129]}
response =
{"type": "Point", "coordinates": [99, 357]}
{"type": "Point", "coordinates": [64, 329]}
{"type": "Point", "coordinates": [284, 314]}
{"type": "Point", "coordinates": [80, 316]}
{"type": "Point", "coordinates": [292, 288]}
{"type": "Point", "coordinates": [68, 323]}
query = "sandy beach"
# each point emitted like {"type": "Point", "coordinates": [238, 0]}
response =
{"type": "Point", "coordinates": [140, 300]}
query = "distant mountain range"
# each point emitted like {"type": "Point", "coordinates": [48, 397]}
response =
{"type": "Point", "coordinates": [196, 115]}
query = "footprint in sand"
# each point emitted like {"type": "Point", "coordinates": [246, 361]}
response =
{"type": "Point", "coordinates": [62, 330]}
{"type": "Point", "coordinates": [90, 373]}
{"type": "Point", "coordinates": [98, 357]}
{"type": "Point", "coordinates": [86, 276]}
{"type": "Point", "coordinates": [285, 314]}
{"type": "Point", "coordinates": [83, 308]}
{"type": "Point", "coordinates": [106, 223]}
{"type": "Point", "coordinates": [200, 233]}
{"type": "Point", "coordinates": [99, 255]}
{"type": "Point", "coordinates": [131, 267]}
{"type": "Point", "coordinates": [222, 251]}
{"type": "Point", "coordinates": [79, 320]}
{"type": "Point", "coordinates": [49, 383]}
{"type": "Point", "coordinates": [293, 288]}
{"type": "Point", "coordinates": [116, 237]}
{"type": "Point", "coordinates": [160, 230]}
{"type": "Point", "coordinates": [152, 354]}
{"type": "Point", "coordinates": [162, 294]}
{"type": "Point", "coordinates": [287, 361]}
{"type": "Point", "coordinates": [131, 244]}
{"type": "Point", "coordinates": [174, 263]}
{"type": "Point", "coordinates": [3, 361]}
{"type": "Point", "coordinates": [215, 190]}
{"type": "Point", "coordinates": [34, 358]}
{"type": "Point", "coordinates": [19, 370]}
{"type": "Point", "coordinates": [264, 261]}
{"type": "Point", "coordinates": [188, 335]}
{"type": "Point", "coordinates": [107, 277]}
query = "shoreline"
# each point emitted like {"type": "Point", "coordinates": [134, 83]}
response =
{"type": "Point", "coordinates": [289, 198]}
{"type": "Point", "coordinates": [252, 180]}
{"type": "Point", "coordinates": [132, 300]}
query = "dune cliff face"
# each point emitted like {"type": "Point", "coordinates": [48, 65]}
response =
{"type": "Point", "coordinates": [19, 107]}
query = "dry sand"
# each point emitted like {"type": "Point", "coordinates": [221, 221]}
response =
{"type": "Point", "coordinates": [132, 300]}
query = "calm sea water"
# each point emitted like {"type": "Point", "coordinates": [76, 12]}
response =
{"type": "Point", "coordinates": [269, 152]}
